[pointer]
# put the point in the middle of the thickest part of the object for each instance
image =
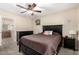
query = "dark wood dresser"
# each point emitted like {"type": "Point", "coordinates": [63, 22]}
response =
{"type": "Point", "coordinates": [69, 43]}
{"type": "Point", "coordinates": [23, 33]}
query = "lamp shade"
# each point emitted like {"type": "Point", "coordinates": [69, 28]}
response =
{"type": "Point", "coordinates": [72, 32]}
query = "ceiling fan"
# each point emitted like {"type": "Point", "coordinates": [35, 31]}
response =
{"type": "Point", "coordinates": [30, 8]}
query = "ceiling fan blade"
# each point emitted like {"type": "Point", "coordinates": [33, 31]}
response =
{"type": "Point", "coordinates": [21, 6]}
{"type": "Point", "coordinates": [37, 11]}
{"type": "Point", "coordinates": [29, 7]}
{"type": "Point", "coordinates": [33, 5]}
{"type": "Point", "coordinates": [23, 11]}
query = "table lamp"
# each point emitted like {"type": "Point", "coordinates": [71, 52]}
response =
{"type": "Point", "coordinates": [72, 33]}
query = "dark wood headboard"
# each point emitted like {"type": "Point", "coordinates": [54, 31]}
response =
{"type": "Point", "coordinates": [55, 28]}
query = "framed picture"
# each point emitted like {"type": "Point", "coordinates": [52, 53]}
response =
{"type": "Point", "coordinates": [37, 22]}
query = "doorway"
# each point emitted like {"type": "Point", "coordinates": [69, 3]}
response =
{"type": "Point", "coordinates": [8, 31]}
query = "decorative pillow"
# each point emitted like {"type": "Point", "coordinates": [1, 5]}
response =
{"type": "Point", "coordinates": [48, 32]}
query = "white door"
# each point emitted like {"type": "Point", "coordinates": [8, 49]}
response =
{"type": "Point", "coordinates": [0, 30]}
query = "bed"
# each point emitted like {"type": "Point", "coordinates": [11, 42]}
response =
{"type": "Point", "coordinates": [39, 44]}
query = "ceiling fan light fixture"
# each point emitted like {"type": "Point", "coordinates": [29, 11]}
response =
{"type": "Point", "coordinates": [37, 8]}
{"type": "Point", "coordinates": [30, 11]}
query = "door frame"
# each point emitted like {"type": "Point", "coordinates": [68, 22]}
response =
{"type": "Point", "coordinates": [0, 31]}
{"type": "Point", "coordinates": [13, 31]}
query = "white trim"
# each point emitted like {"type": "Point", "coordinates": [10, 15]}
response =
{"type": "Point", "coordinates": [0, 31]}
{"type": "Point", "coordinates": [14, 31]}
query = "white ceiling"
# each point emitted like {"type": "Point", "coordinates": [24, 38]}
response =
{"type": "Point", "coordinates": [46, 8]}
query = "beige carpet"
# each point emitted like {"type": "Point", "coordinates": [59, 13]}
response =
{"type": "Point", "coordinates": [10, 48]}
{"type": "Point", "coordinates": [65, 51]}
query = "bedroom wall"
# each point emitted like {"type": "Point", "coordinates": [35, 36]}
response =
{"type": "Point", "coordinates": [21, 23]}
{"type": "Point", "coordinates": [68, 18]}
{"type": "Point", "coordinates": [0, 31]}
{"type": "Point", "coordinates": [78, 21]}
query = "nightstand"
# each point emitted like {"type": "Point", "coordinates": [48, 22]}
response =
{"type": "Point", "coordinates": [69, 43]}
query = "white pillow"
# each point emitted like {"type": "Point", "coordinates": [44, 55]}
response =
{"type": "Point", "coordinates": [48, 32]}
